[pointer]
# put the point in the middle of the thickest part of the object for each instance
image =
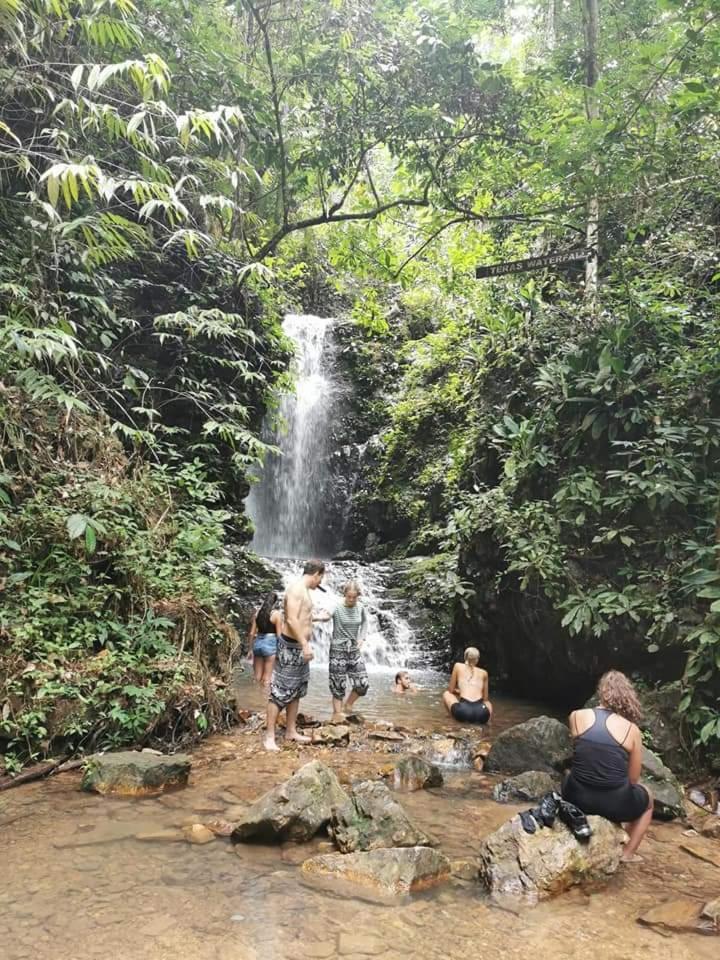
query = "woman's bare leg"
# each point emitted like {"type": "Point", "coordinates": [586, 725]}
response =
{"type": "Point", "coordinates": [636, 831]}
{"type": "Point", "coordinates": [449, 699]}
{"type": "Point", "coordinates": [258, 667]}
{"type": "Point", "coordinates": [267, 672]}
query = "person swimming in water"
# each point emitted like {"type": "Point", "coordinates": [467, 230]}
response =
{"type": "Point", "coordinates": [466, 697]}
{"type": "Point", "coordinates": [403, 684]}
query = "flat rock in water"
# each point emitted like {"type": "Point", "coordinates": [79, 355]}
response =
{"type": "Point", "coordinates": [333, 735]}
{"type": "Point", "coordinates": [542, 743]}
{"type": "Point", "coordinates": [703, 851]}
{"type": "Point", "coordinates": [371, 818]}
{"type": "Point", "coordinates": [132, 773]}
{"type": "Point", "coordinates": [663, 784]}
{"type": "Point", "coordinates": [386, 735]}
{"type": "Point", "coordinates": [160, 836]}
{"type": "Point", "coordinates": [531, 785]}
{"type": "Point", "coordinates": [679, 916]}
{"type": "Point", "coordinates": [531, 867]}
{"type": "Point", "coordinates": [294, 810]}
{"type": "Point", "coordinates": [379, 874]}
{"type": "Point", "coordinates": [448, 752]}
{"type": "Point", "coordinates": [415, 773]}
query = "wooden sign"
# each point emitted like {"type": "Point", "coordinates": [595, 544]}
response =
{"type": "Point", "coordinates": [533, 263]}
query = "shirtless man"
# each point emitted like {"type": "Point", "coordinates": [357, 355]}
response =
{"type": "Point", "coordinates": [466, 696]}
{"type": "Point", "coordinates": [292, 667]}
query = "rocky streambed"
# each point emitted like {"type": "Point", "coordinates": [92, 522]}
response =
{"type": "Point", "coordinates": [395, 812]}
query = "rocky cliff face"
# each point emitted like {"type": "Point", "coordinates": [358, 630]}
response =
{"type": "Point", "coordinates": [522, 642]}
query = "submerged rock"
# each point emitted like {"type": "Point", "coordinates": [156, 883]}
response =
{"type": "Point", "coordinates": [333, 735]}
{"type": "Point", "coordinates": [198, 833]}
{"type": "Point", "coordinates": [372, 818]}
{"type": "Point", "coordinates": [541, 743]}
{"type": "Point", "coordinates": [380, 874]}
{"type": "Point", "coordinates": [135, 774]}
{"type": "Point", "coordinates": [531, 785]}
{"type": "Point", "coordinates": [513, 863]}
{"type": "Point", "coordinates": [294, 810]}
{"type": "Point", "coordinates": [663, 784]}
{"type": "Point", "coordinates": [415, 773]}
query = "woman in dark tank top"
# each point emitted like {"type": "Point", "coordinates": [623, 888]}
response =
{"type": "Point", "coordinates": [262, 639]}
{"type": "Point", "coordinates": [607, 760]}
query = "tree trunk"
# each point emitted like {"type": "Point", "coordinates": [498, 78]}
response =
{"type": "Point", "coordinates": [591, 22]}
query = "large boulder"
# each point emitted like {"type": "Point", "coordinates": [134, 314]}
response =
{"type": "Point", "coordinates": [372, 819]}
{"type": "Point", "coordinates": [532, 867]}
{"type": "Point", "coordinates": [542, 743]}
{"type": "Point", "coordinates": [380, 874]}
{"type": "Point", "coordinates": [294, 810]}
{"type": "Point", "coordinates": [663, 784]}
{"type": "Point", "coordinates": [131, 773]}
{"type": "Point", "coordinates": [415, 773]}
{"type": "Point", "coordinates": [531, 785]}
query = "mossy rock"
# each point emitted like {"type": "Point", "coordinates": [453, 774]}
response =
{"type": "Point", "coordinates": [130, 773]}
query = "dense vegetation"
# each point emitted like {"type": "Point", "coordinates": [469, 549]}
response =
{"type": "Point", "coordinates": [173, 174]}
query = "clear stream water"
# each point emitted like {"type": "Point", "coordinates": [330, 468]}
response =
{"type": "Point", "coordinates": [79, 883]}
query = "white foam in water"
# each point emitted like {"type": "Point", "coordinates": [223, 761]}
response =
{"type": "Point", "coordinates": [387, 646]}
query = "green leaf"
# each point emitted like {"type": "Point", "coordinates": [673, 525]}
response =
{"type": "Point", "coordinates": [90, 538]}
{"type": "Point", "coordinates": [76, 525]}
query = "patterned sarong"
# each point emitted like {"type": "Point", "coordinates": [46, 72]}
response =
{"type": "Point", "coordinates": [346, 662]}
{"type": "Point", "coordinates": [290, 675]}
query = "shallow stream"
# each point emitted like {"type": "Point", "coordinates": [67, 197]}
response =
{"type": "Point", "coordinates": [78, 884]}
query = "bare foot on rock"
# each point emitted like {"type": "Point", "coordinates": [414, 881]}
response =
{"type": "Point", "coordinates": [270, 745]}
{"type": "Point", "coordinates": [298, 737]}
{"type": "Point", "coordinates": [635, 858]}
{"type": "Point", "coordinates": [338, 718]}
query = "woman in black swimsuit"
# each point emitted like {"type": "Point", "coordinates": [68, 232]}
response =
{"type": "Point", "coordinates": [607, 761]}
{"type": "Point", "coordinates": [466, 697]}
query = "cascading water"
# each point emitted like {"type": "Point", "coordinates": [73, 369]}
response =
{"type": "Point", "coordinates": [286, 506]}
{"type": "Point", "coordinates": [288, 503]}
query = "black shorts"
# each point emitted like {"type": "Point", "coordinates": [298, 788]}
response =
{"type": "Point", "coordinates": [621, 804]}
{"type": "Point", "coordinates": [470, 711]}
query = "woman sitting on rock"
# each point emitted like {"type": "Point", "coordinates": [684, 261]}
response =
{"type": "Point", "coordinates": [466, 696]}
{"type": "Point", "coordinates": [262, 639]}
{"type": "Point", "coordinates": [607, 761]}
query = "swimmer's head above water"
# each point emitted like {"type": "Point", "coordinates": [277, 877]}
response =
{"type": "Point", "coordinates": [402, 680]}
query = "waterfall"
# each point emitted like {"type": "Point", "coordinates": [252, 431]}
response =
{"type": "Point", "coordinates": [287, 505]}
{"type": "Point", "coordinates": [295, 515]}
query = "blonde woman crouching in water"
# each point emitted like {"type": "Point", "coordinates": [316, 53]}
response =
{"type": "Point", "coordinates": [466, 696]}
{"type": "Point", "coordinates": [607, 760]}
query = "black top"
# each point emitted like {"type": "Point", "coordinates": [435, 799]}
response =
{"type": "Point", "coordinates": [598, 759]}
{"type": "Point", "coordinates": [263, 622]}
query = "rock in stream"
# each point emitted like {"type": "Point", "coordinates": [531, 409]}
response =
{"type": "Point", "coordinates": [294, 810]}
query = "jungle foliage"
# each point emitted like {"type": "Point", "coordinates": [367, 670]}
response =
{"type": "Point", "coordinates": [175, 173]}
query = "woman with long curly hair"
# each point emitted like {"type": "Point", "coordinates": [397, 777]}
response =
{"type": "Point", "coordinates": [607, 760]}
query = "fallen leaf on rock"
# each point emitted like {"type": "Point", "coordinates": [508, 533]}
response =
{"type": "Point", "coordinates": [221, 828]}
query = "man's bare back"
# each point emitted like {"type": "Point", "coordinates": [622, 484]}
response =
{"type": "Point", "coordinates": [297, 613]}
